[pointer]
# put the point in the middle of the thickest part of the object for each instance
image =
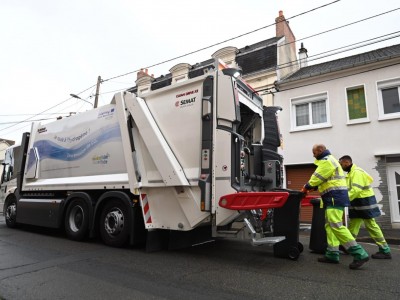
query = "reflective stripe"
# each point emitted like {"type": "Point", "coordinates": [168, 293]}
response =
{"type": "Point", "coordinates": [320, 177]}
{"type": "Point", "coordinates": [332, 248]}
{"type": "Point", "coordinates": [334, 188]}
{"type": "Point", "coordinates": [333, 162]}
{"type": "Point", "coordinates": [379, 239]}
{"type": "Point", "coordinates": [350, 244]}
{"type": "Point", "coordinates": [366, 207]}
{"type": "Point", "coordinates": [335, 225]}
{"type": "Point", "coordinates": [362, 187]}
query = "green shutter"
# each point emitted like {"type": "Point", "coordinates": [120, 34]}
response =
{"type": "Point", "coordinates": [356, 103]}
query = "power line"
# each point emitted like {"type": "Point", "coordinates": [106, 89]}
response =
{"type": "Point", "coordinates": [371, 41]}
{"type": "Point", "coordinates": [258, 29]}
{"type": "Point", "coordinates": [16, 115]}
{"type": "Point", "coordinates": [219, 43]}
{"type": "Point", "coordinates": [19, 122]}
{"type": "Point", "coordinates": [310, 58]}
{"type": "Point", "coordinates": [268, 89]}
{"type": "Point", "coordinates": [339, 77]}
{"type": "Point", "coordinates": [340, 27]}
{"type": "Point", "coordinates": [180, 56]}
{"type": "Point", "coordinates": [288, 43]}
{"type": "Point", "coordinates": [46, 109]}
{"type": "Point", "coordinates": [216, 44]}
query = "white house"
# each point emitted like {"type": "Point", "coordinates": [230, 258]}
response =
{"type": "Point", "coordinates": [352, 106]}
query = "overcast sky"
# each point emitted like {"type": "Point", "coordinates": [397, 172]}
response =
{"type": "Point", "coordinates": [52, 48]}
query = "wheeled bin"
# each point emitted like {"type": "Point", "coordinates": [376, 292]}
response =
{"type": "Point", "coordinates": [287, 223]}
{"type": "Point", "coordinates": [318, 241]}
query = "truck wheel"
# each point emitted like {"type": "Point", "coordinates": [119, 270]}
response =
{"type": "Point", "coordinates": [77, 220]}
{"type": "Point", "coordinates": [114, 224]}
{"type": "Point", "coordinates": [10, 213]}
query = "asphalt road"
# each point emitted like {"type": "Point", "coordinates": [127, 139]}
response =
{"type": "Point", "coordinates": [43, 264]}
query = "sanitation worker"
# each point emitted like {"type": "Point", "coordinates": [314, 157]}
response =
{"type": "Point", "coordinates": [363, 207]}
{"type": "Point", "coordinates": [330, 181]}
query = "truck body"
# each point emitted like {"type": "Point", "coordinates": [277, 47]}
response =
{"type": "Point", "coordinates": [178, 165]}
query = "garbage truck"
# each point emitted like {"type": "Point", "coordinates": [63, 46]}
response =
{"type": "Point", "coordinates": [179, 165]}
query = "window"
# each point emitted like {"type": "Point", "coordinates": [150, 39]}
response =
{"type": "Point", "coordinates": [356, 104]}
{"type": "Point", "coordinates": [310, 112]}
{"type": "Point", "coordinates": [388, 98]}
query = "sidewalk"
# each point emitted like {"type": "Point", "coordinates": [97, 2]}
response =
{"type": "Point", "coordinates": [392, 236]}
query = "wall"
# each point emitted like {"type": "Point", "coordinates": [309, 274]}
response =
{"type": "Point", "coordinates": [361, 141]}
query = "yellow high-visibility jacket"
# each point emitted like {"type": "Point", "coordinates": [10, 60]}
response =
{"type": "Point", "coordinates": [361, 194]}
{"type": "Point", "coordinates": [330, 180]}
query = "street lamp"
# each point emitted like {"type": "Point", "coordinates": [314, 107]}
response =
{"type": "Point", "coordinates": [77, 97]}
{"type": "Point", "coordinates": [233, 72]}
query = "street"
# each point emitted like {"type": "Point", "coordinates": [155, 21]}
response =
{"type": "Point", "coordinates": [43, 264]}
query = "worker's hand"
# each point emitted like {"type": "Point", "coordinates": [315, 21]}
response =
{"type": "Point", "coordinates": [304, 190]}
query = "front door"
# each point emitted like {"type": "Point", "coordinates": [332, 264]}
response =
{"type": "Point", "coordinates": [394, 191]}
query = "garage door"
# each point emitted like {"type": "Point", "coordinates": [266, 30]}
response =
{"type": "Point", "coordinates": [296, 177]}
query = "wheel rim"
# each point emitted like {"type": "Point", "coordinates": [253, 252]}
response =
{"type": "Point", "coordinates": [76, 218]}
{"type": "Point", "coordinates": [114, 221]}
{"type": "Point", "coordinates": [11, 212]}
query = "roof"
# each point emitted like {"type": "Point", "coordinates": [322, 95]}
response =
{"type": "Point", "coordinates": [258, 45]}
{"type": "Point", "coordinates": [251, 58]}
{"type": "Point", "coordinates": [345, 63]}
{"type": "Point", "coordinates": [9, 142]}
{"type": "Point", "coordinates": [263, 58]}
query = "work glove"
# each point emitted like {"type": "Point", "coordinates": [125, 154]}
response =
{"type": "Point", "coordinates": [304, 190]}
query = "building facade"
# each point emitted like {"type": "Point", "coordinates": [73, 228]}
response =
{"type": "Point", "coordinates": [352, 106]}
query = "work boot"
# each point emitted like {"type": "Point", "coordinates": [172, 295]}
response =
{"type": "Point", "coordinates": [327, 260]}
{"type": "Point", "coordinates": [381, 255]}
{"type": "Point", "coordinates": [358, 263]}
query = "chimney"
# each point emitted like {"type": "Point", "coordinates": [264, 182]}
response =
{"type": "Point", "coordinates": [142, 73]}
{"type": "Point", "coordinates": [303, 56]}
{"type": "Point", "coordinates": [283, 29]}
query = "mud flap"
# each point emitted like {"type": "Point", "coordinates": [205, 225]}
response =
{"type": "Point", "coordinates": [172, 240]}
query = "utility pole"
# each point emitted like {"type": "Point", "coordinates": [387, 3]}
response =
{"type": "Point", "coordinates": [96, 99]}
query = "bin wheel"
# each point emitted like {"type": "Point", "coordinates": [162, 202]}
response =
{"type": "Point", "coordinates": [300, 247]}
{"type": "Point", "coordinates": [294, 253]}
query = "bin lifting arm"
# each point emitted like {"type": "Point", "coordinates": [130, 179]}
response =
{"type": "Point", "coordinates": [253, 200]}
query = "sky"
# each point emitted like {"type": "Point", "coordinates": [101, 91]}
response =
{"type": "Point", "coordinates": [51, 49]}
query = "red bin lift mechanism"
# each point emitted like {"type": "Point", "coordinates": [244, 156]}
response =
{"type": "Point", "coordinates": [286, 244]}
{"type": "Point", "coordinates": [256, 200]}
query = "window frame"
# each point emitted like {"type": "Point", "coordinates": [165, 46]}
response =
{"type": "Point", "coordinates": [309, 99]}
{"type": "Point", "coordinates": [385, 84]}
{"type": "Point", "coordinates": [360, 120]}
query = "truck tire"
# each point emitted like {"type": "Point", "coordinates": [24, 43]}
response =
{"type": "Point", "coordinates": [77, 220]}
{"type": "Point", "coordinates": [114, 223]}
{"type": "Point", "coordinates": [10, 213]}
